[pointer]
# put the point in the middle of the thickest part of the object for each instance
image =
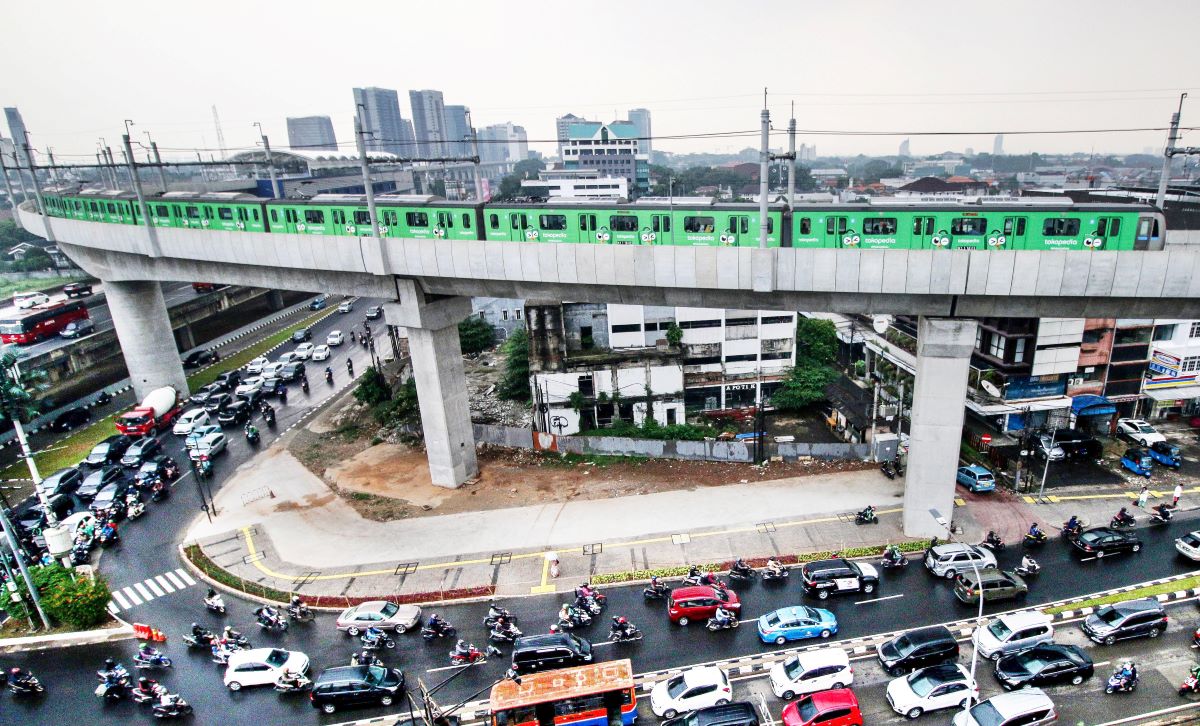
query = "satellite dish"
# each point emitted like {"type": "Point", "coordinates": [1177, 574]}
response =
{"type": "Point", "coordinates": [990, 388]}
{"type": "Point", "coordinates": [881, 323]}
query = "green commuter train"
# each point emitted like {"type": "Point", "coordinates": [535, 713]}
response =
{"type": "Point", "coordinates": [1039, 225]}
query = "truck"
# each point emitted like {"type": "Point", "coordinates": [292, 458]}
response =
{"type": "Point", "coordinates": [156, 413]}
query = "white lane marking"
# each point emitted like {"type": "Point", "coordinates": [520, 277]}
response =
{"type": "Point", "coordinates": [175, 581]}
{"type": "Point", "coordinates": [121, 601]}
{"type": "Point", "coordinates": [142, 591]}
{"type": "Point", "coordinates": [879, 599]}
{"type": "Point", "coordinates": [163, 582]}
{"type": "Point", "coordinates": [113, 608]}
{"type": "Point", "coordinates": [154, 588]}
{"type": "Point", "coordinates": [186, 578]}
{"type": "Point", "coordinates": [1152, 714]}
{"type": "Point", "coordinates": [129, 593]}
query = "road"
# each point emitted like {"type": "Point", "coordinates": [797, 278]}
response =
{"type": "Point", "coordinates": [146, 563]}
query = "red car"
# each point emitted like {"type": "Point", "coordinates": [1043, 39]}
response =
{"type": "Point", "coordinates": [700, 603]}
{"type": "Point", "coordinates": [824, 708]}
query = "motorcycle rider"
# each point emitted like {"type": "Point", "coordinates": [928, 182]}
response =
{"type": "Point", "coordinates": [722, 616]}
{"type": "Point", "coordinates": [268, 615]}
{"type": "Point", "coordinates": [18, 677]}
{"type": "Point", "coordinates": [251, 431]}
{"type": "Point", "coordinates": [289, 679]}
{"type": "Point", "coordinates": [710, 578]}
{"type": "Point", "coordinates": [891, 555]}
{"type": "Point", "coordinates": [148, 653]}
{"type": "Point", "coordinates": [740, 566]}
{"type": "Point", "coordinates": [202, 635]}
{"type": "Point", "coordinates": [213, 600]}
{"type": "Point", "coordinates": [296, 607]}
{"type": "Point", "coordinates": [554, 630]}
{"type": "Point", "coordinates": [774, 567]}
{"type": "Point", "coordinates": [867, 514]}
{"type": "Point", "coordinates": [505, 629]}
{"type": "Point", "coordinates": [495, 611]}
{"type": "Point", "coordinates": [1164, 511]}
{"type": "Point", "coordinates": [461, 650]}
{"type": "Point", "coordinates": [564, 613]}
{"type": "Point", "coordinates": [694, 573]}
{"type": "Point", "coordinates": [1124, 516]}
{"type": "Point", "coordinates": [438, 625]}
{"type": "Point", "coordinates": [1128, 674]}
{"type": "Point", "coordinates": [1073, 525]}
{"type": "Point", "coordinates": [328, 374]}
{"type": "Point", "coordinates": [1035, 532]}
{"type": "Point", "coordinates": [1195, 671]}
{"type": "Point", "coordinates": [1028, 564]}
{"type": "Point", "coordinates": [993, 539]}
{"type": "Point", "coordinates": [656, 584]}
{"type": "Point", "coordinates": [622, 628]}
{"type": "Point", "coordinates": [113, 673]}
{"type": "Point", "coordinates": [147, 687]}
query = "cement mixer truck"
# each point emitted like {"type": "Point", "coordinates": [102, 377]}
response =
{"type": "Point", "coordinates": [156, 413]}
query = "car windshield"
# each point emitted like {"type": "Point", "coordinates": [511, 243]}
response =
{"type": "Point", "coordinates": [1191, 540]}
{"type": "Point", "coordinates": [389, 610]}
{"type": "Point", "coordinates": [985, 714]}
{"type": "Point", "coordinates": [1032, 662]}
{"type": "Point", "coordinates": [1089, 537]}
{"type": "Point", "coordinates": [1108, 615]}
{"type": "Point", "coordinates": [792, 668]}
{"type": "Point", "coordinates": [376, 674]}
{"type": "Point", "coordinates": [922, 682]}
{"type": "Point", "coordinates": [903, 645]}
{"type": "Point", "coordinates": [999, 629]}
{"type": "Point", "coordinates": [148, 467]}
{"type": "Point", "coordinates": [100, 449]}
{"type": "Point", "coordinates": [1145, 428]}
{"type": "Point", "coordinates": [676, 687]}
{"type": "Point", "coordinates": [277, 658]}
{"type": "Point", "coordinates": [772, 620]}
{"type": "Point", "coordinates": [807, 710]}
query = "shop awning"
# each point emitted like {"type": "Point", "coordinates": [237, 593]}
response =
{"type": "Point", "coordinates": [1173, 394]}
{"type": "Point", "coordinates": [1092, 406]}
{"type": "Point", "coordinates": [999, 409]}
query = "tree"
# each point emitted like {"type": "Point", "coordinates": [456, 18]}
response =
{"type": "Point", "coordinates": [514, 385]}
{"type": "Point", "coordinates": [510, 186]}
{"type": "Point", "coordinates": [816, 342]}
{"type": "Point", "coordinates": [674, 333]}
{"type": "Point", "coordinates": [816, 352]}
{"type": "Point", "coordinates": [475, 334]}
{"type": "Point", "coordinates": [11, 234]}
{"type": "Point", "coordinates": [372, 388]}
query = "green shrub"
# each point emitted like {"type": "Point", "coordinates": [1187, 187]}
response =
{"type": "Point", "coordinates": [67, 598]}
{"type": "Point", "coordinates": [475, 335]}
{"type": "Point", "coordinates": [372, 388]}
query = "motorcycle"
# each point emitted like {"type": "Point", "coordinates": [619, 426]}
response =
{"type": "Point", "coordinates": [742, 573]}
{"type": "Point", "coordinates": [504, 636]}
{"type": "Point", "coordinates": [271, 622]}
{"type": "Point", "coordinates": [300, 612]}
{"type": "Point", "coordinates": [159, 491]}
{"type": "Point", "coordinates": [302, 683]}
{"type": "Point", "coordinates": [1161, 516]}
{"type": "Point", "coordinates": [204, 468]}
{"type": "Point", "coordinates": [1028, 570]}
{"type": "Point", "coordinates": [1118, 683]}
{"type": "Point", "coordinates": [29, 685]}
{"type": "Point", "coordinates": [222, 651]}
{"type": "Point", "coordinates": [888, 469]}
{"type": "Point", "coordinates": [866, 516]}
{"type": "Point", "coordinates": [494, 614]}
{"type": "Point", "coordinates": [1069, 532]}
{"type": "Point", "coordinates": [252, 436]}
{"type": "Point", "coordinates": [1196, 638]}
{"type": "Point", "coordinates": [473, 655]}
{"type": "Point", "coordinates": [304, 385]}
{"type": "Point", "coordinates": [993, 542]}
{"type": "Point", "coordinates": [135, 507]}
{"type": "Point", "coordinates": [112, 690]}
{"type": "Point", "coordinates": [593, 604]}
{"type": "Point", "coordinates": [619, 635]}
{"type": "Point", "coordinates": [175, 708]}
{"type": "Point", "coordinates": [108, 536]}
{"type": "Point", "coordinates": [770, 575]}
{"type": "Point", "coordinates": [204, 640]}
{"type": "Point", "coordinates": [656, 592]}
{"type": "Point", "coordinates": [329, 376]}
{"type": "Point", "coordinates": [155, 660]}
{"type": "Point", "coordinates": [366, 658]}
{"type": "Point", "coordinates": [215, 604]}
{"type": "Point", "coordinates": [694, 577]}
{"type": "Point", "coordinates": [81, 553]}
{"type": "Point", "coordinates": [446, 631]}
{"type": "Point", "coordinates": [1119, 521]}
{"type": "Point", "coordinates": [713, 625]}
{"type": "Point", "coordinates": [157, 691]}
{"type": "Point", "coordinates": [236, 638]}
{"type": "Point", "coordinates": [1190, 685]}
{"type": "Point", "coordinates": [371, 642]}
{"type": "Point", "coordinates": [888, 563]}
{"type": "Point", "coordinates": [1035, 540]}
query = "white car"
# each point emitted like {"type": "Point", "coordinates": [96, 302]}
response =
{"type": "Point", "coordinates": [304, 351]}
{"type": "Point", "coordinates": [189, 420]}
{"type": "Point", "coordinates": [335, 337]}
{"type": "Point", "coordinates": [285, 358]}
{"type": "Point", "coordinates": [255, 366]}
{"type": "Point", "coordinates": [321, 352]}
{"type": "Point", "coordinates": [262, 666]}
{"type": "Point", "coordinates": [1189, 546]}
{"type": "Point", "coordinates": [250, 386]}
{"type": "Point", "coordinates": [698, 687]}
{"type": "Point", "coordinates": [345, 306]}
{"type": "Point", "coordinates": [948, 685]}
{"type": "Point", "coordinates": [209, 445]}
{"type": "Point", "coordinates": [810, 671]}
{"type": "Point", "coordinates": [26, 300]}
{"type": "Point", "coordinates": [1138, 430]}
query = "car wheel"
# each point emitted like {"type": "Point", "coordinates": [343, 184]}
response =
{"type": "Point", "coordinates": [825, 633]}
{"type": "Point", "coordinates": [234, 686]}
{"type": "Point", "coordinates": [963, 704]}
{"type": "Point", "coordinates": [1110, 640]}
{"type": "Point", "coordinates": [682, 621]}
{"type": "Point", "coordinates": [822, 594]}
{"type": "Point", "coordinates": [670, 713]}
{"type": "Point", "coordinates": [1136, 547]}
{"type": "Point", "coordinates": [780, 640]}
{"type": "Point", "coordinates": [995, 657]}
{"type": "Point", "coordinates": [353, 630]}
{"type": "Point", "coordinates": [385, 701]}
{"type": "Point", "coordinates": [839, 685]}
{"type": "Point", "coordinates": [868, 588]}
{"type": "Point", "coordinates": [788, 695]}
{"type": "Point", "coordinates": [401, 629]}
{"type": "Point", "coordinates": [328, 707]}
{"type": "Point", "coordinates": [1155, 633]}
{"type": "Point", "coordinates": [1099, 554]}
{"type": "Point", "coordinates": [915, 713]}
{"type": "Point", "coordinates": [1077, 680]}
{"type": "Point", "coordinates": [722, 701]}
{"type": "Point", "coordinates": [950, 574]}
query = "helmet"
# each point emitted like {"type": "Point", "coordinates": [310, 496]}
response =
{"type": "Point", "coordinates": [622, 621]}
{"type": "Point", "coordinates": [461, 643]}
{"type": "Point", "coordinates": [194, 626]}
{"type": "Point", "coordinates": [141, 681]}
{"type": "Point", "coordinates": [109, 662]}
{"type": "Point", "coordinates": [228, 628]}
{"type": "Point", "coordinates": [553, 628]}
{"type": "Point", "coordinates": [434, 616]}
{"type": "Point", "coordinates": [15, 671]}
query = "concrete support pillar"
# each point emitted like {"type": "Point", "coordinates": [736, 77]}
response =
{"type": "Point", "coordinates": [143, 328]}
{"type": "Point", "coordinates": [275, 300]}
{"type": "Point", "coordinates": [187, 338]}
{"type": "Point", "coordinates": [441, 383]}
{"type": "Point", "coordinates": [944, 348]}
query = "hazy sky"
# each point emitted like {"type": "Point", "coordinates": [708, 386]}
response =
{"type": "Point", "coordinates": [78, 69]}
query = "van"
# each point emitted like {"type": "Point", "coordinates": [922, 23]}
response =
{"type": "Point", "coordinates": [1026, 707]}
{"type": "Point", "coordinates": [917, 649]}
{"type": "Point", "coordinates": [738, 713]}
{"type": "Point", "coordinates": [947, 560]}
{"type": "Point", "coordinates": [991, 585]}
{"type": "Point", "coordinates": [532, 653]}
{"type": "Point", "coordinates": [1013, 633]}
{"type": "Point", "coordinates": [26, 300]}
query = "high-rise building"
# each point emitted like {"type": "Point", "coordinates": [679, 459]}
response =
{"type": "Point", "coordinates": [503, 142]}
{"type": "Point", "coordinates": [429, 121]}
{"type": "Point", "coordinates": [385, 127]}
{"type": "Point", "coordinates": [458, 131]}
{"type": "Point", "coordinates": [998, 145]}
{"type": "Point", "coordinates": [612, 148]}
{"type": "Point", "coordinates": [904, 148]}
{"type": "Point", "coordinates": [562, 125]}
{"type": "Point", "coordinates": [640, 118]}
{"type": "Point", "coordinates": [16, 129]}
{"type": "Point", "coordinates": [311, 132]}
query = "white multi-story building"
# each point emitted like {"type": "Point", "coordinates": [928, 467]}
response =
{"type": "Point", "coordinates": [576, 183]}
{"type": "Point", "coordinates": [1173, 376]}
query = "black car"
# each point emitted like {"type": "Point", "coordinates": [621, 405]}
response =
{"type": "Point", "coordinates": [917, 649]}
{"type": "Point", "coordinates": [1048, 664]}
{"type": "Point", "coordinates": [835, 577]}
{"type": "Point", "coordinates": [30, 516]}
{"type": "Point", "coordinates": [97, 480]}
{"type": "Point", "coordinates": [235, 414]}
{"type": "Point", "coordinates": [1104, 541]}
{"type": "Point", "coordinates": [141, 450]}
{"type": "Point", "coordinates": [216, 404]}
{"type": "Point", "coordinates": [1078, 445]}
{"type": "Point", "coordinates": [292, 371]}
{"type": "Point", "coordinates": [198, 358]}
{"type": "Point", "coordinates": [350, 686]}
{"type": "Point", "coordinates": [302, 335]}
{"type": "Point", "coordinates": [108, 451]}
{"type": "Point", "coordinates": [271, 387]}
{"type": "Point", "coordinates": [70, 419]}
{"type": "Point", "coordinates": [533, 653]}
{"type": "Point", "coordinates": [114, 492]}
{"type": "Point", "coordinates": [253, 397]}
{"type": "Point", "coordinates": [374, 312]}
{"type": "Point", "coordinates": [77, 289]}
{"type": "Point", "coordinates": [1123, 620]}
{"type": "Point", "coordinates": [738, 713]}
{"type": "Point", "coordinates": [203, 395]}
{"type": "Point", "coordinates": [228, 380]}
{"type": "Point", "coordinates": [63, 481]}
{"type": "Point", "coordinates": [78, 328]}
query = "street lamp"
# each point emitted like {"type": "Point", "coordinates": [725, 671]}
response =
{"type": "Point", "coordinates": [937, 517]}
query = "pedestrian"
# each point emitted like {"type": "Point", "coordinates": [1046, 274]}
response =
{"type": "Point", "coordinates": [1143, 496]}
{"type": "Point", "coordinates": [350, 367]}
{"type": "Point", "coordinates": [1178, 493]}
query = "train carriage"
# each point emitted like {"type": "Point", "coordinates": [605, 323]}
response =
{"type": "Point", "coordinates": [399, 215]}
{"type": "Point", "coordinates": [225, 211]}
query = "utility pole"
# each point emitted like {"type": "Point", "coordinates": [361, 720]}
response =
{"type": "Point", "coordinates": [53, 168]}
{"type": "Point", "coordinates": [875, 421]}
{"type": "Point", "coordinates": [103, 170]}
{"type": "Point", "coordinates": [37, 191]}
{"type": "Point", "coordinates": [151, 229]}
{"type": "Point", "coordinates": [475, 153]}
{"type": "Point", "coordinates": [157, 160]}
{"type": "Point", "coordinates": [1046, 470]}
{"type": "Point", "coordinates": [791, 183]}
{"type": "Point", "coordinates": [1168, 155]}
{"type": "Point", "coordinates": [270, 164]}
{"type": "Point", "coordinates": [764, 160]}
{"type": "Point", "coordinates": [360, 141]}
{"type": "Point", "coordinates": [12, 200]}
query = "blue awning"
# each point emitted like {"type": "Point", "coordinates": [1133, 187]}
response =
{"type": "Point", "coordinates": [1092, 406]}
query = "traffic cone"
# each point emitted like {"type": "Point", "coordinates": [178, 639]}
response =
{"type": "Point", "coordinates": [141, 631]}
{"type": "Point", "coordinates": [158, 635]}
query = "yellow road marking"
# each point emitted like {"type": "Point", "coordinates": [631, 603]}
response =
{"type": "Point", "coordinates": [543, 588]}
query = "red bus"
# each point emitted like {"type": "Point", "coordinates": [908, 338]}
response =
{"type": "Point", "coordinates": [43, 321]}
{"type": "Point", "coordinates": [592, 695]}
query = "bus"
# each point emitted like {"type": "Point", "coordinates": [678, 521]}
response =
{"type": "Point", "coordinates": [598, 694]}
{"type": "Point", "coordinates": [43, 321]}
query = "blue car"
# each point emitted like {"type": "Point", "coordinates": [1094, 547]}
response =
{"type": "Point", "coordinates": [976, 478]}
{"type": "Point", "coordinates": [795, 623]}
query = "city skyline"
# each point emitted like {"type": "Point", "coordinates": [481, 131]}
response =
{"type": "Point", "coordinates": [922, 88]}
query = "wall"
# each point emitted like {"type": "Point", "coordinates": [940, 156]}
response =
{"type": "Point", "coordinates": [43, 274]}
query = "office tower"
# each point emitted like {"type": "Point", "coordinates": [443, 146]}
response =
{"type": "Point", "coordinates": [429, 122]}
{"type": "Point", "coordinates": [458, 131]}
{"type": "Point", "coordinates": [385, 128]}
{"type": "Point", "coordinates": [311, 132]}
{"type": "Point", "coordinates": [640, 118]}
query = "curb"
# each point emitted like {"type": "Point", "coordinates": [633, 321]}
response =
{"type": "Point", "coordinates": [66, 640]}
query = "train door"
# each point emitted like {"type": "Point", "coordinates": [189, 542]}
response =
{"type": "Point", "coordinates": [1012, 234]}
{"type": "Point", "coordinates": [1149, 232]}
{"type": "Point", "coordinates": [1107, 228]}
{"type": "Point", "coordinates": [587, 228]}
{"type": "Point", "coordinates": [660, 230]}
{"type": "Point", "coordinates": [737, 229]}
{"type": "Point", "coordinates": [922, 233]}
{"type": "Point", "coordinates": [518, 223]}
{"type": "Point", "coordinates": [837, 228]}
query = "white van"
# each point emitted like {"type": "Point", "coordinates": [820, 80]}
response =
{"type": "Point", "coordinates": [26, 300]}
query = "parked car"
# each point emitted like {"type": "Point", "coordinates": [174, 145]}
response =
{"type": "Point", "coordinates": [141, 450]}
{"type": "Point", "coordinates": [229, 380]}
{"type": "Point", "coordinates": [795, 623]}
{"type": "Point", "coordinates": [1138, 431]}
{"type": "Point", "coordinates": [694, 688]}
{"type": "Point", "coordinates": [1026, 707]}
{"type": "Point", "coordinates": [947, 560]}
{"type": "Point", "coordinates": [738, 713]}
{"type": "Point", "coordinates": [303, 335]}
{"type": "Point", "coordinates": [1048, 664]}
{"type": "Point", "coordinates": [375, 312]}
{"type": "Point", "coordinates": [823, 578]}
{"type": "Point", "coordinates": [380, 614]}
{"type": "Point", "coordinates": [917, 649]}
{"type": "Point", "coordinates": [304, 351]}
{"type": "Point", "coordinates": [1012, 632]}
{"type": "Point", "coordinates": [108, 451]}
{"type": "Point", "coordinates": [262, 666]}
{"type": "Point", "coordinates": [345, 306]}
{"type": "Point", "coordinates": [97, 480]}
{"type": "Point", "coordinates": [198, 358]}
{"type": "Point", "coordinates": [77, 289]}
{"type": "Point", "coordinates": [318, 303]}
{"type": "Point", "coordinates": [71, 418]}
{"type": "Point", "coordinates": [335, 338]}
{"type": "Point", "coordinates": [546, 652]}
{"type": "Point", "coordinates": [976, 478]}
{"type": "Point", "coordinates": [293, 371]}
{"type": "Point", "coordinates": [1105, 541]}
{"type": "Point", "coordinates": [1123, 620]}
{"type": "Point", "coordinates": [30, 516]}
{"type": "Point", "coordinates": [78, 328]}
{"type": "Point", "coordinates": [189, 420]}
{"type": "Point", "coordinates": [1047, 446]}
{"type": "Point", "coordinates": [1189, 546]}
{"type": "Point", "coordinates": [991, 585]}
{"type": "Point", "coordinates": [255, 366]}
{"type": "Point", "coordinates": [349, 686]}
{"type": "Point", "coordinates": [114, 492]}
{"type": "Point", "coordinates": [199, 432]}
{"type": "Point", "coordinates": [209, 445]}
{"type": "Point", "coordinates": [699, 602]}
{"type": "Point", "coordinates": [811, 670]}
{"type": "Point", "coordinates": [948, 685]}
{"type": "Point", "coordinates": [321, 352]}
{"type": "Point", "coordinates": [824, 708]}
{"type": "Point", "coordinates": [63, 481]}
{"type": "Point", "coordinates": [1079, 446]}
{"type": "Point", "coordinates": [235, 414]}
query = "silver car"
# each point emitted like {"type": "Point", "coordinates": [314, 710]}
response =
{"type": "Point", "coordinates": [947, 560]}
{"type": "Point", "coordinates": [378, 614]}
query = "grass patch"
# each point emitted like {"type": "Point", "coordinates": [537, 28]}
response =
{"type": "Point", "coordinates": [1187, 583]}
{"type": "Point", "coordinates": [8, 287]}
{"type": "Point", "coordinates": [202, 378]}
{"type": "Point", "coordinates": [596, 460]}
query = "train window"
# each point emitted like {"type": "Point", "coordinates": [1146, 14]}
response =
{"type": "Point", "coordinates": [968, 226]}
{"type": "Point", "coordinates": [162, 211]}
{"type": "Point", "coordinates": [314, 216]}
{"type": "Point", "coordinates": [274, 215]}
{"type": "Point", "coordinates": [700, 224]}
{"type": "Point", "coordinates": [494, 221]}
{"type": "Point", "coordinates": [338, 216]}
{"type": "Point", "coordinates": [112, 208]}
{"type": "Point", "coordinates": [243, 214]}
{"type": "Point", "coordinates": [1066, 227]}
{"type": "Point", "coordinates": [193, 212]}
{"type": "Point", "coordinates": [805, 225]}
{"type": "Point", "coordinates": [746, 224]}
{"type": "Point", "coordinates": [393, 218]}
{"type": "Point", "coordinates": [255, 212]}
{"type": "Point", "coordinates": [553, 221]}
{"type": "Point", "coordinates": [466, 220]}
{"type": "Point", "coordinates": [882, 225]}
{"type": "Point", "coordinates": [623, 223]}
{"type": "Point", "coordinates": [1020, 226]}
{"type": "Point", "coordinates": [1102, 227]}
{"type": "Point", "coordinates": [416, 219]}
{"type": "Point", "coordinates": [361, 217]}
{"type": "Point", "coordinates": [1008, 225]}
{"type": "Point", "coordinates": [225, 213]}
{"type": "Point", "coordinates": [1114, 227]}
{"type": "Point", "coordinates": [447, 219]}
{"type": "Point", "coordinates": [208, 213]}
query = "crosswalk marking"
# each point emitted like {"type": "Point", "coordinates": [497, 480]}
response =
{"type": "Point", "coordinates": [186, 577]}
{"type": "Point", "coordinates": [112, 608]}
{"type": "Point", "coordinates": [175, 581]}
{"type": "Point", "coordinates": [143, 591]}
{"type": "Point", "coordinates": [154, 588]}
{"type": "Point", "coordinates": [133, 596]}
{"type": "Point", "coordinates": [148, 589]}
{"type": "Point", "coordinates": [121, 601]}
